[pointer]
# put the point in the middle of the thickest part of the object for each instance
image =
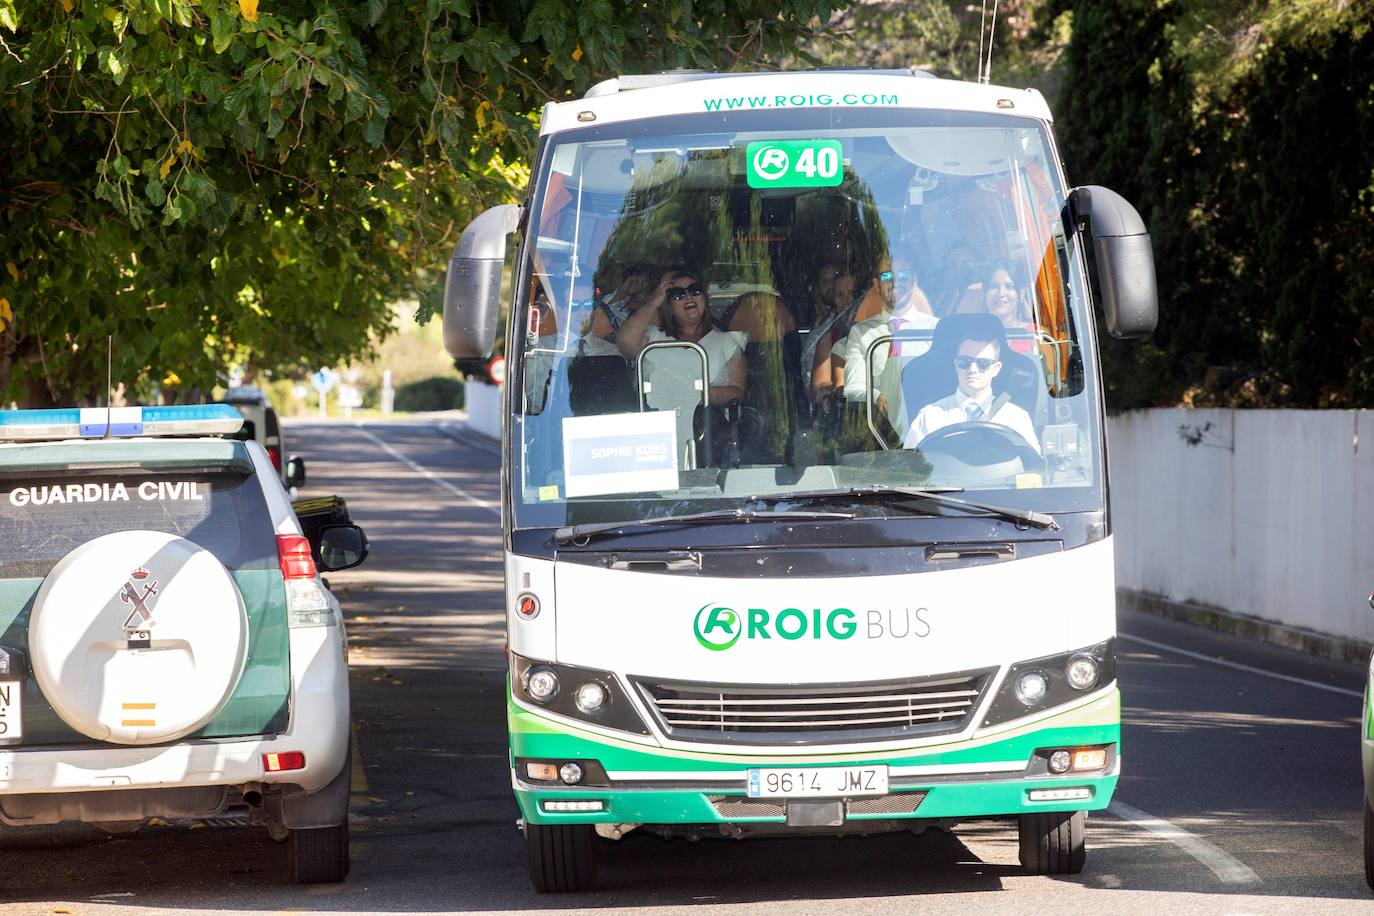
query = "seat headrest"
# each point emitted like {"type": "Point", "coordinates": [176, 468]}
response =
{"type": "Point", "coordinates": [976, 326]}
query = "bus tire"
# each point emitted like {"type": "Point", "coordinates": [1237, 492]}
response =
{"type": "Point", "coordinates": [1052, 842]}
{"type": "Point", "coordinates": [562, 858]}
{"type": "Point", "coordinates": [319, 855]}
{"type": "Point", "coordinates": [1368, 845]}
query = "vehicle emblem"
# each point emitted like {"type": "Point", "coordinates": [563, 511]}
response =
{"type": "Point", "coordinates": [141, 617]}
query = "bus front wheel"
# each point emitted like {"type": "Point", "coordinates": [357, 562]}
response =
{"type": "Point", "coordinates": [562, 857]}
{"type": "Point", "coordinates": [1052, 842]}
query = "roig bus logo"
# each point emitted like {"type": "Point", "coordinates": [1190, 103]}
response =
{"type": "Point", "coordinates": [718, 627]}
{"type": "Point", "coordinates": [771, 162]}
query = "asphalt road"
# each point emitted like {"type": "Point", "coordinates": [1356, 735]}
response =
{"type": "Point", "coordinates": [1241, 791]}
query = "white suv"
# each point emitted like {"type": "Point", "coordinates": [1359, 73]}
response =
{"type": "Point", "coordinates": [167, 647]}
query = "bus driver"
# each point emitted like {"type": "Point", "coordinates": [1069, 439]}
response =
{"type": "Point", "coordinates": [976, 364]}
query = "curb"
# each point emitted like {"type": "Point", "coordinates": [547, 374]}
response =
{"type": "Point", "coordinates": [1322, 645]}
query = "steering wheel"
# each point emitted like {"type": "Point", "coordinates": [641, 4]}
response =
{"type": "Point", "coordinates": [983, 443]}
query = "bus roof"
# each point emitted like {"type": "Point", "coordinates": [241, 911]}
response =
{"type": "Point", "coordinates": [628, 98]}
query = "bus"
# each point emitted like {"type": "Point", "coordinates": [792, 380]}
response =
{"type": "Point", "coordinates": [766, 573]}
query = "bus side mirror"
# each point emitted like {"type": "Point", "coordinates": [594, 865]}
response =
{"type": "Point", "coordinates": [1125, 261]}
{"type": "Point", "coordinates": [472, 289]}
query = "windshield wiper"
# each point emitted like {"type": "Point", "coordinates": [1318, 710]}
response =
{"type": "Point", "coordinates": [938, 495]}
{"type": "Point", "coordinates": [570, 533]}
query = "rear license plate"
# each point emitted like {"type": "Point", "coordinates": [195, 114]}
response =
{"type": "Point", "coordinates": [11, 711]}
{"type": "Point", "coordinates": [818, 782]}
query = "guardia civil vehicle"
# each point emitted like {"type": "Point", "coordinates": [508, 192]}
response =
{"type": "Point", "coordinates": [773, 613]}
{"type": "Point", "coordinates": [167, 646]}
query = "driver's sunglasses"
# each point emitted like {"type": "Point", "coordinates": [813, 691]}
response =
{"type": "Point", "coordinates": [968, 362]}
{"type": "Point", "coordinates": [887, 276]}
{"type": "Point", "coordinates": [678, 293]}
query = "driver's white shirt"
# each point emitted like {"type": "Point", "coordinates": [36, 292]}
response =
{"type": "Point", "coordinates": [954, 409]}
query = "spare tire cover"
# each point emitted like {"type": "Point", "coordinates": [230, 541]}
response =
{"type": "Point", "coordinates": [138, 637]}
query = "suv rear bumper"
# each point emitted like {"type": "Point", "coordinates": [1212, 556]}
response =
{"type": "Point", "coordinates": [318, 728]}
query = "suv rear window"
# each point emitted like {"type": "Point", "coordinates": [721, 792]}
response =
{"type": "Point", "coordinates": [45, 517]}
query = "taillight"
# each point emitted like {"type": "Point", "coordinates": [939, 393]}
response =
{"type": "Point", "coordinates": [274, 453]}
{"type": "Point", "coordinates": [307, 603]}
{"type": "Point", "coordinates": [285, 760]}
{"type": "Point", "coordinates": [293, 555]}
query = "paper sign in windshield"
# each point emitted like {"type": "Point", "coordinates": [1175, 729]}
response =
{"type": "Point", "coordinates": [620, 453]}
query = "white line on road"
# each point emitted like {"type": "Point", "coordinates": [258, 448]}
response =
{"type": "Point", "coordinates": [1239, 667]}
{"type": "Point", "coordinates": [1227, 868]}
{"type": "Point", "coordinates": [430, 476]}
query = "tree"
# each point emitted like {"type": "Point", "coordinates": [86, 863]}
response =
{"type": "Point", "coordinates": [1238, 128]}
{"type": "Point", "coordinates": [219, 182]}
{"type": "Point", "coordinates": [950, 37]}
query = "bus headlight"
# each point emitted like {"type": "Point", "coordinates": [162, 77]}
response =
{"type": "Point", "coordinates": [1031, 687]}
{"type": "Point", "coordinates": [591, 697]}
{"type": "Point", "coordinates": [1081, 672]}
{"type": "Point", "coordinates": [587, 694]}
{"type": "Point", "coordinates": [1038, 684]}
{"type": "Point", "coordinates": [542, 684]}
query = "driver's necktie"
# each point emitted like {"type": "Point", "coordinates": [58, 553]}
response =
{"type": "Point", "coordinates": [974, 411]}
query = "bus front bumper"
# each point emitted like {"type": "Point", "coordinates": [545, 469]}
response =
{"type": "Point", "coordinates": [986, 776]}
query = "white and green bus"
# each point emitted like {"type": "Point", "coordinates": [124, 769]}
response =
{"type": "Point", "coordinates": [805, 491]}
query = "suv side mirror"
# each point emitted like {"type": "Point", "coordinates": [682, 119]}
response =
{"type": "Point", "coordinates": [472, 288]}
{"type": "Point", "coordinates": [342, 547]}
{"type": "Point", "coordinates": [1125, 261]}
{"type": "Point", "coordinates": [295, 472]}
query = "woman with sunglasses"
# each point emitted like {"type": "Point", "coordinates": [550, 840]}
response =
{"type": "Point", "coordinates": [678, 311]}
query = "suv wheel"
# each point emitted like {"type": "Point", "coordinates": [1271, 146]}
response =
{"type": "Point", "coordinates": [319, 855]}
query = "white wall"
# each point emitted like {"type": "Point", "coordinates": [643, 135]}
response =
{"type": "Point", "coordinates": [484, 407]}
{"type": "Point", "coordinates": [1269, 516]}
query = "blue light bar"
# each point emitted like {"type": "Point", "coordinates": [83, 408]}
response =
{"type": "Point", "coordinates": [118, 422]}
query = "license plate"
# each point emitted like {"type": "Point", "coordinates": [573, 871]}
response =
{"type": "Point", "coordinates": [818, 782]}
{"type": "Point", "coordinates": [11, 711]}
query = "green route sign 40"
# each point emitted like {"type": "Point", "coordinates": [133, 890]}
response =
{"type": "Point", "coordinates": [794, 164]}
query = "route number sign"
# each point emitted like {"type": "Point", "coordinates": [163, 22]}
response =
{"type": "Point", "coordinates": [794, 163]}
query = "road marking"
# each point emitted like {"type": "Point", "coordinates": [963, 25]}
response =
{"type": "Point", "coordinates": [430, 476]}
{"type": "Point", "coordinates": [1345, 691]}
{"type": "Point", "coordinates": [1227, 868]}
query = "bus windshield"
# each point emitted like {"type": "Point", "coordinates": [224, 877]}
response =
{"type": "Point", "coordinates": [717, 308]}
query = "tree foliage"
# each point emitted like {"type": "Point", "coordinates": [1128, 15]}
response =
{"type": "Point", "coordinates": [1239, 130]}
{"type": "Point", "coordinates": [950, 37]}
{"type": "Point", "coordinates": [229, 182]}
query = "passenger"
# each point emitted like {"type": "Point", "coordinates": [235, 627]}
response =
{"type": "Point", "coordinates": [834, 293]}
{"type": "Point", "coordinates": [635, 288]}
{"type": "Point", "coordinates": [958, 271]}
{"type": "Point", "coordinates": [677, 310]}
{"type": "Point", "coordinates": [976, 364]}
{"type": "Point", "coordinates": [1003, 297]}
{"type": "Point", "coordinates": [902, 306]}
{"type": "Point", "coordinates": [551, 344]}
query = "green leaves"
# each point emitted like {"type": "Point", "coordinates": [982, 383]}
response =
{"type": "Point", "coordinates": [300, 165]}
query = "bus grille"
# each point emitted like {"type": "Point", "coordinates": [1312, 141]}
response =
{"type": "Point", "coordinates": [816, 714]}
